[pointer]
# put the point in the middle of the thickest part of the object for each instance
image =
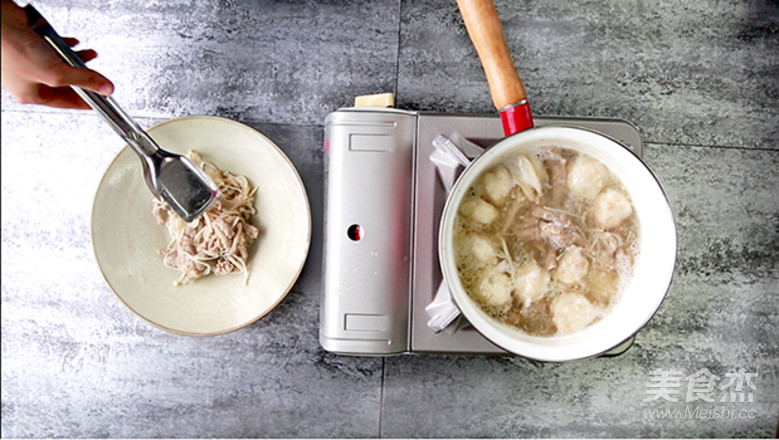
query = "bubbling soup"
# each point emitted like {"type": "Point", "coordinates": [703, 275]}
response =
{"type": "Point", "coordinates": [546, 241]}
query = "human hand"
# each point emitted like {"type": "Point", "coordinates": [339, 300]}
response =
{"type": "Point", "coordinates": [33, 72]}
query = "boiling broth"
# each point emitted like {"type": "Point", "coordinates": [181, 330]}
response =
{"type": "Point", "coordinates": [546, 241]}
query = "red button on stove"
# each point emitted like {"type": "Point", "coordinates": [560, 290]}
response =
{"type": "Point", "coordinates": [355, 232]}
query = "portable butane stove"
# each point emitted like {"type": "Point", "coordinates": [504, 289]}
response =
{"type": "Point", "coordinates": [384, 197]}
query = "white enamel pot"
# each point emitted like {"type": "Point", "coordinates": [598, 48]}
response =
{"type": "Point", "coordinates": [652, 271]}
{"type": "Point", "coordinates": [653, 267]}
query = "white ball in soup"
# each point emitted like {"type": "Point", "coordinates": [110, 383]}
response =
{"type": "Point", "coordinates": [482, 249]}
{"type": "Point", "coordinates": [572, 266]}
{"type": "Point", "coordinates": [572, 312]}
{"type": "Point", "coordinates": [497, 185]}
{"type": "Point", "coordinates": [481, 211]}
{"type": "Point", "coordinates": [611, 208]}
{"type": "Point", "coordinates": [531, 283]}
{"type": "Point", "coordinates": [495, 286]}
{"type": "Point", "coordinates": [544, 241]}
{"type": "Point", "coordinates": [586, 176]}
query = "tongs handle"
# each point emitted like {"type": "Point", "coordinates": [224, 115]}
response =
{"type": "Point", "coordinates": [106, 107]}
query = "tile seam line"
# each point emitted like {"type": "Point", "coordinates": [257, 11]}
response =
{"type": "Point", "coordinates": [92, 114]}
{"type": "Point", "coordinates": [719, 147]}
{"type": "Point", "coordinates": [293, 124]}
{"type": "Point", "coordinates": [397, 57]}
{"type": "Point", "coordinates": [381, 396]}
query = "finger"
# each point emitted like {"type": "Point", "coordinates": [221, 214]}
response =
{"type": "Point", "coordinates": [86, 55]}
{"type": "Point", "coordinates": [88, 79]}
{"type": "Point", "coordinates": [60, 97]}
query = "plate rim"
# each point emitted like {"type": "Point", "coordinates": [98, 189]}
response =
{"type": "Point", "coordinates": [293, 279]}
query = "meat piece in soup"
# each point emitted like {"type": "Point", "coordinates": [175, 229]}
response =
{"type": "Point", "coordinates": [544, 241]}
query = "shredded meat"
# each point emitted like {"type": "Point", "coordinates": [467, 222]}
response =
{"type": "Point", "coordinates": [219, 240]}
{"type": "Point", "coordinates": [549, 232]}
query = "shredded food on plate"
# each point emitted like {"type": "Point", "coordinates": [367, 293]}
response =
{"type": "Point", "coordinates": [218, 241]}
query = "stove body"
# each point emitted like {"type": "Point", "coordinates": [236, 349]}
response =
{"type": "Point", "coordinates": [383, 205]}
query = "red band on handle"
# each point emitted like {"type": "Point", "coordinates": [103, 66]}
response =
{"type": "Point", "coordinates": [516, 118]}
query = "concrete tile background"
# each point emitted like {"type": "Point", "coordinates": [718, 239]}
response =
{"type": "Point", "coordinates": [77, 363]}
{"type": "Point", "coordinates": [697, 73]}
{"type": "Point", "coordinates": [700, 79]}
{"type": "Point", "coordinates": [282, 62]}
{"type": "Point", "coordinates": [720, 314]}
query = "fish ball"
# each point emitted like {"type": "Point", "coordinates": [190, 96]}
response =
{"type": "Point", "coordinates": [611, 208]}
{"type": "Point", "coordinates": [586, 177]}
{"type": "Point", "coordinates": [572, 266]}
{"type": "Point", "coordinates": [495, 288]}
{"type": "Point", "coordinates": [482, 249]}
{"type": "Point", "coordinates": [480, 210]}
{"type": "Point", "coordinates": [532, 283]}
{"type": "Point", "coordinates": [572, 312]}
{"type": "Point", "coordinates": [497, 184]}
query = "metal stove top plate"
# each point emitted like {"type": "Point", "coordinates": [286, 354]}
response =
{"type": "Point", "coordinates": [429, 199]}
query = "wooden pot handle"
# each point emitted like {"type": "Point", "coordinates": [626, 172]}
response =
{"type": "Point", "coordinates": [508, 93]}
{"type": "Point", "coordinates": [484, 28]}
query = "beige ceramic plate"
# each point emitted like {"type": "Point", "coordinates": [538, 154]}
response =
{"type": "Point", "coordinates": [126, 237]}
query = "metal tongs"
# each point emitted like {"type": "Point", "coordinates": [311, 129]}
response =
{"type": "Point", "coordinates": [171, 177]}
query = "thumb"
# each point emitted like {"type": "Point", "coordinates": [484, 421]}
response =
{"type": "Point", "coordinates": [82, 77]}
